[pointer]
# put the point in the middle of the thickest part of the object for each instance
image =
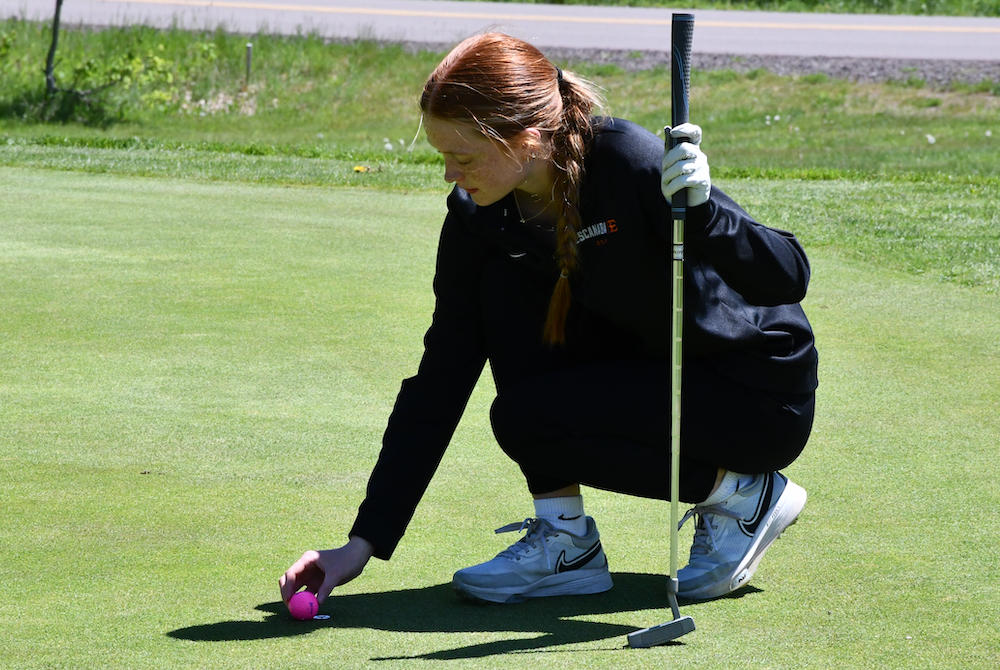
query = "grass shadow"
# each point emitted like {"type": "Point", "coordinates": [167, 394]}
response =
{"type": "Point", "coordinates": [64, 106]}
{"type": "Point", "coordinates": [437, 609]}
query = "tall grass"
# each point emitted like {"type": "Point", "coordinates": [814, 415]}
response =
{"type": "Point", "coordinates": [188, 84]}
{"type": "Point", "coordinates": [360, 99]}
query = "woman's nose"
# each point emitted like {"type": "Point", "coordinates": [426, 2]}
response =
{"type": "Point", "coordinates": [452, 174]}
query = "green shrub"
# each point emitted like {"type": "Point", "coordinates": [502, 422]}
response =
{"type": "Point", "coordinates": [100, 78]}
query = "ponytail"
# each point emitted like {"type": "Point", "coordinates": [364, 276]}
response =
{"type": "Point", "coordinates": [571, 142]}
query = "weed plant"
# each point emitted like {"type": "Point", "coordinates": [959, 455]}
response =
{"type": "Point", "coordinates": [179, 84]}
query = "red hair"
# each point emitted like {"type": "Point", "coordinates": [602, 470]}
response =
{"type": "Point", "coordinates": [503, 85]}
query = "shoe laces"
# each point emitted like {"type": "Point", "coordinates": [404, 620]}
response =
{"type": "Point", "coordinates": [536, 529]}
{"type": "Point", "coordinates": [704, 529]}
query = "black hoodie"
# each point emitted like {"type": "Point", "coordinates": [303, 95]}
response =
{"type": "Point", "coordinates": [742, 287]}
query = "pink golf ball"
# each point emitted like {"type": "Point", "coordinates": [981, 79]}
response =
{"type": "Point", "coordinates": [303, 605]}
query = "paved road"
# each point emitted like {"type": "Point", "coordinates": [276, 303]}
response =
{"type": "Point", "coordinates": [560, 26]}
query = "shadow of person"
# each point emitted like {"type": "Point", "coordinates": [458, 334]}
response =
{"type": "Point", "coordinates": [437, 609]}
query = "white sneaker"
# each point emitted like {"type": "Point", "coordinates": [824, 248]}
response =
{"type": "Point", "coordinates": [545, 562]}
{"type": "Point", "coordinates": [731, 537]}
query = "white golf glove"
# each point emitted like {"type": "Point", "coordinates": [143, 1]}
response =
{"type": "Point", "coordinates": [686, 166]}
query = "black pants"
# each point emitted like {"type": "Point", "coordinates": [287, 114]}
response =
{"type": "Point", "coordinates": [597, 411]}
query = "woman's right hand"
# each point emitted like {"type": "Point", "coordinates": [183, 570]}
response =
{"type": "Point", "coordinates": [322, 571]}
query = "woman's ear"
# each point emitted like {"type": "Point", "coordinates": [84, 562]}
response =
{"type": "Point", "coordinates": [532, 143]}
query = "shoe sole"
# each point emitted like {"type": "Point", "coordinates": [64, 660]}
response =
{"type": "Point", "coordinates": [564, 584]}
{"type": "Point", "coordinates": [785, 513]}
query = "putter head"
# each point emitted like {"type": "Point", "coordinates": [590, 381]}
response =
{"type": "Point", "coordinates": [664, 632]}
{"type": "Point", "coordinates": [661, 633]}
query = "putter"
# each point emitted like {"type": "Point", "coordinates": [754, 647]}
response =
{"type": "Point", "coordinates": [682, 30]}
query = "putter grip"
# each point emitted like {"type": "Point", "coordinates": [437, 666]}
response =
{"type": "Point", "coordinates": [681, 35]}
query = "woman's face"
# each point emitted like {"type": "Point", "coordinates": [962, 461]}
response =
{"type": "Point", "coordinates": [485, 169]}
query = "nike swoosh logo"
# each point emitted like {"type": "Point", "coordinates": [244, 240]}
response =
{"type": "Point", "coordinates": [562, 565]}
{"type": "Point", "coordinates": [749, 526]}
{"type": "Point", "coordinates": [572, 518]}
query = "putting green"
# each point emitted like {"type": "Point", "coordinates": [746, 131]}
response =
{"type": "Point", "coordinates": [194, 378]}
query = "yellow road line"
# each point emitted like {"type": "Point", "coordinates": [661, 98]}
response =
{"type": "Point", "coordinates": [489, 16]}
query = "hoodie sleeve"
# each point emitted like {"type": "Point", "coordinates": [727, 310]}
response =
{"type": "Point", "coordinates": [766, 266]}
{"type": "Point", "coordinates": [431, 403]}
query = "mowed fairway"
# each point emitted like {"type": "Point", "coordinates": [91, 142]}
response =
{"type": "Point", "coordinates": [194, 379]}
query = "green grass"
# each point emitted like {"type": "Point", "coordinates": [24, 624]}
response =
{"type": "Point", "coordinates": [866, 216]}
{"type": "Point", "coordinates": [205, 320]}
{"type": "Point", "coordinates": [311, 99]}
{"type": "Point", "coordinates": [195, 376]}
{"type": "Point", "coordinates": [301, 87]}
{"type": "Point", "coordinates": [280, 164]}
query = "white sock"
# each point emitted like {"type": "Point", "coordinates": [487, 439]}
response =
{"type": "Point", "coordinates": [564, 513]}
{"type": "Point", "coordinates": [727, 488]}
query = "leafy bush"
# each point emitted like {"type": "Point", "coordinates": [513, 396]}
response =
{"type": "Point", "coordinates": [124, 76]}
